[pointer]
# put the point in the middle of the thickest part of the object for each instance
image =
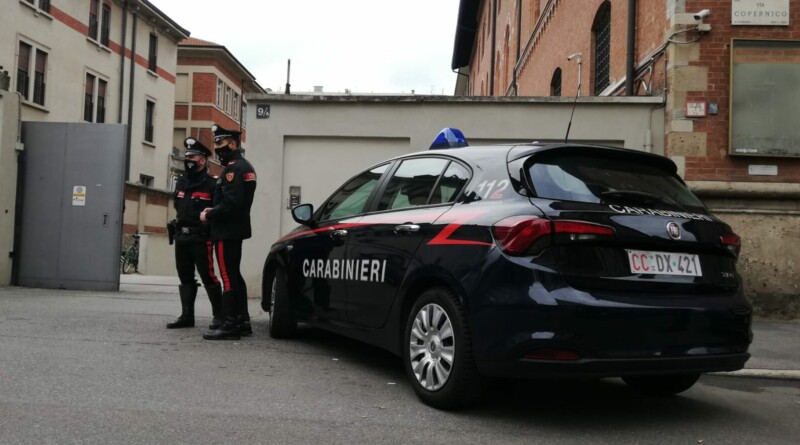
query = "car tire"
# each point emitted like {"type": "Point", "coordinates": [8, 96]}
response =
{"type": "Point", "coordinates": [437, 352]}
{"type": "Point", "coordinates": [662, 385]}
{"type": "Point", "coordinates": [282, 323]}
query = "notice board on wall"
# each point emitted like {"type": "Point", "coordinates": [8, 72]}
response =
{"type": "Point", "coordinates": [765, 97]}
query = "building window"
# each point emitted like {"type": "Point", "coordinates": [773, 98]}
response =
{"type": "Point", "coordinates": [23, 69]}
{"type": "Point", "coordinates": [88, 98]}
{"type": "Point", "coordinates": [235, 110]}
{"type": "Point", "coordinates": [149, 121]}
{"type": "Point", "coordinates": [44, 5]}
{"type": "Point", "coordinates": [220, 88]}
{"type": "Point", "coordinates": [106, 26]}
{"type": "Point", "coordinates": [243, 121]}
{"type": "Point", "coordinates": [227, 99]}
{"type": "Point", "coordinates": [94, 102]}
{"type": "Point", "coordinates": [555, 83]}
{"type": "Point", "coordinates": [32, 60]}
{"type": "Point", "coordinates": [152, 62]}
{"type": "Point", "coordinates": [94, 7]}
{"type": "Point", "coordinates": [601, 31]}
{"type": "Point", "coordinates": [146, 180]}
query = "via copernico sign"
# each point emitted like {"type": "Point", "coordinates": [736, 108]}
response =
{"type": "Point", "coordinates": [760, 12]}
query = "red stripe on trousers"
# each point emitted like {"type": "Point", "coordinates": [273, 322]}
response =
{"type": "Point", "coordinates": [210, 249]}
{"type": "Point", "coordinates": [222, 269]}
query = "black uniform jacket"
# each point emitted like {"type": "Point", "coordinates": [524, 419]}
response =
{"type": "Point", "coordinates": [233, 196]}
{"type": "Point", "coordinates": [193, 193]}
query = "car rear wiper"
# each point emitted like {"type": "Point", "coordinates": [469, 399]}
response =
{"type": "Point", "coordinates": [645, 198]}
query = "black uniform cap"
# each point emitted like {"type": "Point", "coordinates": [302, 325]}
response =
{"type": "Point", "coordinates": [223, 133]}
{"type": "Point", "coordinates": [194, 147]}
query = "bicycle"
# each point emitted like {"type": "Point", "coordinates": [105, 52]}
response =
{"type": "Point", "coordinates": [129, 258]}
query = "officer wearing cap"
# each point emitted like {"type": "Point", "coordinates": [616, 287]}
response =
{"type": "Point", "coordinates": [193, 248]}
{"type": "Point", "coordinates": [230, 225]}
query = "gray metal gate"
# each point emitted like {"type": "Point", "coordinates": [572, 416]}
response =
{"type": "Point", "coordinates": [72, 205]}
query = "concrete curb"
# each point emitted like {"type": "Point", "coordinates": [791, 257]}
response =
{"type": "Point", "coordinates": [779, 374]}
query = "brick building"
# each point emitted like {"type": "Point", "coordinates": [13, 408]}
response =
{"type": "Point", "coordinates": [211, 85]}
{"type": "Point", "coordinates": [728, 79]}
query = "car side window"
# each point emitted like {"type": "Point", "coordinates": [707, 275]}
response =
{"type": "Point", "coordinates": [450, 185]}
{"type": "Point", "coordinates": [412, 183]}
{"type": "Point", "coordinates": [352, 197]}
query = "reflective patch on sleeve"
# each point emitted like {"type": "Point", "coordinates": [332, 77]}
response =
{"type": "Point", "coordinates": [202, 195]}
{"type": "Point", "coordinates": [180, 194]}
{"type": "Point", "coordinates": [249, 176]}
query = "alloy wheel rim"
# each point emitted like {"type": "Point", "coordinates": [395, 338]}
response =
{"type": "Point", "coordinates": [432, 347]}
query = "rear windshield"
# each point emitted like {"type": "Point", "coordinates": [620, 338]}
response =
{"type": "Point", "coordinates": [610, 181]}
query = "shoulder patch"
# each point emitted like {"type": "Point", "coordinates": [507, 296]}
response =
{"type": "Point", "coordinates": [250, 176]}
{"type": "Point", "coordinates": [229, 176]}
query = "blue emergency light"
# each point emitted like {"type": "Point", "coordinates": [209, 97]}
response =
{"type": "Point", "coordinates": [449, 138]}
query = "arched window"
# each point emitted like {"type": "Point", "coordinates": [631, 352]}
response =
{"type": "Point", "coordinates": [555, 83]}
{"type": "Point", "coordinates": [601, 32]}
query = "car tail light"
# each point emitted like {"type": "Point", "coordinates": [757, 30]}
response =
{"type": "Point", "coordinates": [732, 242]}
{"type": "Point", "coordinates": [552, 354]}
{"type": "Point", "coordinates": [517, 234]}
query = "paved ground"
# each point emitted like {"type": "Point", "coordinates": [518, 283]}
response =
{"type": "Point", "coordinates": [96, 367]}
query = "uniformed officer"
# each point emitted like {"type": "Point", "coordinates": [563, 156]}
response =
{"type": "Point", "coordinates": [193, 248]}
{"type": "Point", "coordinates": [230, 225]}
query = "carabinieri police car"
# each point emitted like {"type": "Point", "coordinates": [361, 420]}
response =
{"type": "Point", "coordinates": [531, 260]}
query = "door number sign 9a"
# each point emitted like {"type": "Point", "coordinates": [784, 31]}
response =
{"type": "Point", "coordinates": [262, 111]}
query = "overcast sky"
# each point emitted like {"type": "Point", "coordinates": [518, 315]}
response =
{"type": "Point", "coordinates": [366, 46]}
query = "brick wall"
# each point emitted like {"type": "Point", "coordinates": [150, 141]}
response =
{"type": "Point", "coordinates": [711, 160]}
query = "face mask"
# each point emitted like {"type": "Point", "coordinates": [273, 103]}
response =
{"type": "Point", "coordinates": [224, 154]}
{"type": "Point", "coordinates": [190, 166]}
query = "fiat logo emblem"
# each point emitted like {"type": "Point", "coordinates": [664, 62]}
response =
{"type": "Point", "coordinates": [674, 230]}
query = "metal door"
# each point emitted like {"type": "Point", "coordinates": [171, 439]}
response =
{"type": "Point", "coordinates": [72, 206]}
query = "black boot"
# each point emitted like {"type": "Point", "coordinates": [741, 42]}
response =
{"type": "Point", "coordinates": [230, 327]}
{"type": "Point", "coordinates": [215, 297]}
{"type": "Point", "coordinates": [186, 320]}
{"type": "Point", "coordinates": [245, 329]}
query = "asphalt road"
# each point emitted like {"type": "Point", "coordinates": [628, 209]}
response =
{"type": "Point", "coordinates": [83, 367]}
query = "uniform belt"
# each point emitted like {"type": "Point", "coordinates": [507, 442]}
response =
{"type": "Point", "coordinates": [186, 230]}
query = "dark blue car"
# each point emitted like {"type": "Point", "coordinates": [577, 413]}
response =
{"type": "Point", "coordinates": [531, 261]}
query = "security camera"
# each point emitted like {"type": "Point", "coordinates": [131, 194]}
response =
{"type": "Point", "coordinates": [702, 14]}
{"type": "Point", "coordinates": [574, 55]}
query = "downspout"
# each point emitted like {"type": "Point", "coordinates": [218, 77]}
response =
{"type": "Point", "coordinates": [629, 68]}
{"type": "Point", "coordinates": [519, 43]}
{"type": "Point", "coordinates": [19, 198]}
{"type": "Point", "coordinates": [130, 100]}
{"type": "Point", "coordinates": [122, 59]}
{"type": "Point", "coordinates": [494, 45]}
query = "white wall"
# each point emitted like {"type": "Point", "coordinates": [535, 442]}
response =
{"type": "Point", "coordinates": [8, 180]}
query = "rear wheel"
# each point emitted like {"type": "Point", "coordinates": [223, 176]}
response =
{"type": "Point", "coordinates": [438, 352]}
{"type": "Point", "coordinates": [282, 323]}
{"type": "Point", "coordinates": [662, 385]}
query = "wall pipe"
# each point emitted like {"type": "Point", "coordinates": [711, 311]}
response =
{"type": "Point", "coordinates": [629, 62]}
{"type": "Point", "coordinates": [129, 142]}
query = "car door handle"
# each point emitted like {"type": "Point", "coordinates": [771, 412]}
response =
{"type": "Point", "coordinates": [406, 228]}
{"type": "Point", "coordinates": [338, 234]}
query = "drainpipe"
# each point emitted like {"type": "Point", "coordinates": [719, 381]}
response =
{"type": "Point", "coordinates": [130, 99]}
{"type": "Point", "coordinates": [122, 59]}
{"type": "Point", "coordinates": [494, 45]}
{"type": "Point", "coordinates": [629, 74]}
{"type": "Point", "coordinates": [519, 42]}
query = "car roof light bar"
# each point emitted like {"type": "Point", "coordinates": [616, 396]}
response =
{"type": "Point", "coordinates": [449, 138]}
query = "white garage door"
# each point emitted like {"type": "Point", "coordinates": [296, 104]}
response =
{"type": "Point", "coordinates": [319, 165]}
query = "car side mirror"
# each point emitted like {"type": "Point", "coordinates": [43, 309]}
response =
{"type": "Point", "coordinates": [303, 214]}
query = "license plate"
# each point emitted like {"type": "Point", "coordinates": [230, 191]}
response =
{"type": "Point", "coordinates": [664, 263]}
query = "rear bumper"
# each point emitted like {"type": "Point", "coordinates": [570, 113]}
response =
{"type": "Point", "coordinates": [583, 368]}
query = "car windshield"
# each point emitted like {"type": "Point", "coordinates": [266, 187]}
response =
{"type": "Point", "coordinates": [601, 180]}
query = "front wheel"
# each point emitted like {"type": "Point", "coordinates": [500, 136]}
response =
{"type": "Point", "coordinates": [662, 385]}
{"type": "Point", "coordinates": [127, 264]}
{"type": "Point", "coordinates": [437, 352]}
{"type": "Point", "coordinates": [282, 323]}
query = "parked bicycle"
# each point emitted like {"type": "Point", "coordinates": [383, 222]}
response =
{"type": "Point", "coordinates": [129, 258]}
